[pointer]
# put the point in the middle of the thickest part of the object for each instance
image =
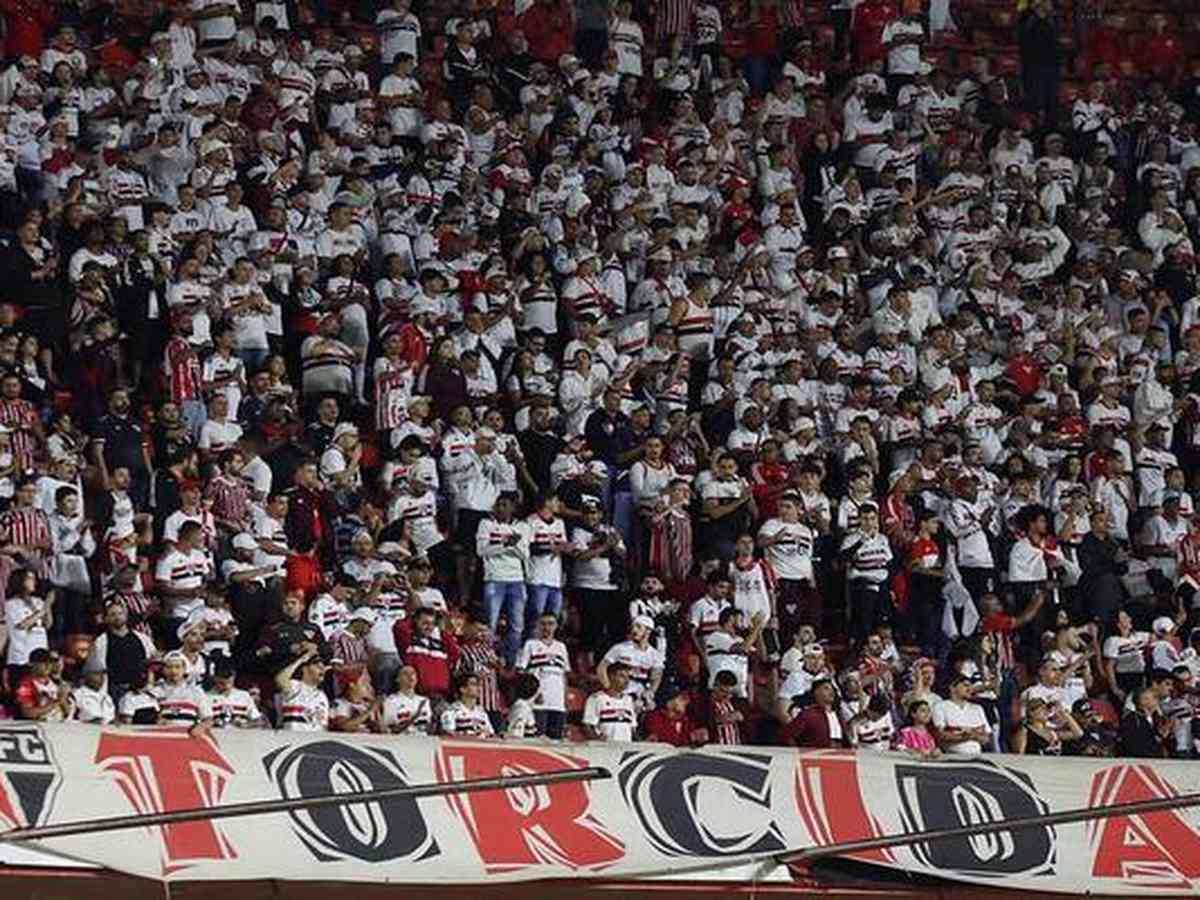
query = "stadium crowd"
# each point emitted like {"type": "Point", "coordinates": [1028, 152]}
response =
{"type": "Point", "coordinates": [601, 370]}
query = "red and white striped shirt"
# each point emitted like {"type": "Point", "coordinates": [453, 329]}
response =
{"type": "Point", "coordinates": [725, 728]}
{"type": "Point", "coordinates": [480, 660]}
{"type": "Point", "coordinates": [20, 416]}
{"type": "Point", "coordinates": [181, 367]}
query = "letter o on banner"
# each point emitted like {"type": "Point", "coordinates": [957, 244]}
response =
{"type": "Point", "coordinates": [378, 831]}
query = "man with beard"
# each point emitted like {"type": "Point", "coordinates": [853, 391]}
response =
{"type": "Point", "coordinates": [118, 441]}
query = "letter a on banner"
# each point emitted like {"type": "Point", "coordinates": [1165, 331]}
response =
{"type": "Point", "coordinates": [524, 828]}
{"type": "Point", "coordinates": [165, 770]}
{"type": "Point", "coordinates": [1160, 847]}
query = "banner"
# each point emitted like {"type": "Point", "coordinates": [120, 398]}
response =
{"type": "Point", "coordinates": [664, 813]}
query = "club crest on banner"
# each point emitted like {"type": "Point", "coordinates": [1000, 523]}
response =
{"type": "Point", "coordinates": [29, 778]}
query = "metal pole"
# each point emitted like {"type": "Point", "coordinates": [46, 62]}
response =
{"type": "Point", "coordinates": [266, 807]}
{"type": "Point", "coordinates": [1066, 817]}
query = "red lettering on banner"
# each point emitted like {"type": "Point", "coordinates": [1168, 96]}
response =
{"type": "Point", "coordinates": [830, 801]}
{"type": "Point", "coordinates": [522, 828]}
{"type": "Point", "coordinates": [1161, 848]}
{"type": "Point", "coordinates": [164, 770]}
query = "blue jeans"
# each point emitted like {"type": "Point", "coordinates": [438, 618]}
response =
{"type": "Point", "coordinates": [253, 358]}
{"type": "Point", "coordinates": [543, 600]}
{"type": "Point", "coordinates": [509, 597]}
{"type": "Point", "coordinates": [194, 414]}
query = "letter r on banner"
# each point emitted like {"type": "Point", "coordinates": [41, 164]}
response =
{"type": "Point", "coordinates": [164, 770]}
{"type": "Point", "coordinates": [522, 828]}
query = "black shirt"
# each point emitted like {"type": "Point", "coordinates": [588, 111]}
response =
{"type": "Point", "coordinates": [122, 438]}
{"type": "Point", "coordinates": [603, 431]}
{"type": "Point", "coordinates": [540, 448]}
{"type": "Point", "coordinates": [126, 658]}
{"type": "Point", "coordinates": [319, 436]}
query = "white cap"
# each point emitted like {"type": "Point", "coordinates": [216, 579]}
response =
{"type": "Point", "coordinates": [814, 650]}
{"type": "Point", "coordinates": [644, 621]}
{"type": "Point", "coordinates": [244, 541]}
{"type": "Point", "coordinates": [1164, 625]}
{"type": "Point", "coordinates": [364, 614]}
{"type": "Point", "coordinates": [345, 428]}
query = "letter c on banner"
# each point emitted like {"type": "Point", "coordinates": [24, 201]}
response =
{"type": "Point", "coordinates": [378, 831]}
{"type": "Point", "coordinates": [703, 804]}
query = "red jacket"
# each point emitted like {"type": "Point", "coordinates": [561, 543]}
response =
{"type": "Point", "coordinates": [415, 344]}
{"type": "Point", "coordinates": [811, 729]}
{"type": "Point", "coordinates": [26, 22]}
{"type": "Point", "coordinates": [434, 656]}
{"type": "Point", "coordinates": [548, 29]}
{"type": "Point", "coordinates": [660, 726]}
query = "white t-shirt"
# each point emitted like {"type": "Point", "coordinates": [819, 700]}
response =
{"type": "Point", "coordinates": [521, 721]}
{"type": "Point", "coordinates": [791, 558]}
{"type": "Point", "coordinates": [613, 717]}
{"type": "Point", "coordinates": [949, 714]}
{"type": "Point", "coordinates": [23, 641]}
{"type": "Point", "coordinates": [404, 714]}
{"type": "Point", "coordinates": [1128, 653]}
{"type": "Point", "coordinates": [459, 719]}
{"type": "Point", "coordinates": [544, 568]}
{"type": "Point", "coordinates": [303, 708]}
{"type": "Point", "coordinates": [549, 662]}
{"type": "Point", "coordinates": [642, 664]}
{"type": "Point", "coordinates": [722, 656]}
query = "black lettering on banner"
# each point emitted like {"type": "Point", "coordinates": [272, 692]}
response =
{"type": "Point", "coordinates": [29, 778]}
{"type": "Point", "coordinates": [702, 804]}
{"type": "Point", "coordinates": [380, 831]}
{"type": "Point", "coordinates": [952, 795]}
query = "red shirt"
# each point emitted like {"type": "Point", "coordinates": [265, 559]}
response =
{"type": "Point", "coordinates": [869, 21]}
{"type": "Point", "coordinates": [1024, 372]}
{"type": "Point", "coordinates": [303, 574]}
{"type": "Point", "coordinates": [661, 726]}
{"type": "Point", "coordinates": [547, 27]}
{"type": "Point", "coordinates": [434, 656]}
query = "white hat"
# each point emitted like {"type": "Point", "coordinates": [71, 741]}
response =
{"type": "Point", "coordinates": [1164, 625]}
{"type": "Point", "coordinates": [187, 626]}
{"type": "Point", "coordinates": [1108, 333]}
{"type": "Point", "coordinates": [805, 422]}
{"type": "Point", "coordinates": [422, 304]}
{"type": "Point", "coordinates": [212, 146]}
{"type": "Point", "coordinates": [244, 541]}
{"type": "Point", "coordinates": [644, 621]}
{"type": "Point", "coordinates": [345, 428]}
{"type": "Point", "coordinates": [364, 614]}
{"type": "Point", "coordinates": [837, 251]}
{"type": "Point", "coordinates": [814, 649]}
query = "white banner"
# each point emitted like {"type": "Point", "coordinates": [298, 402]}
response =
{"type": "Point", "coordinates": [665, 812]}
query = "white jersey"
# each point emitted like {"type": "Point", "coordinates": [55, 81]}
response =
{"type": "Point", "coordinates": [752, 587]}
{"type": "Point", "coordinates": [407, 714]}
{"type": "Point", "coordinates": [614, 718]}
{"type": "Point", "coordinates": [182, 704]}
{"type": "Point", "coordinates": [549, 662]}
{"type": "Point", "coordinates": [503, 559]}
{"type": "Point", "coordinates": [723, 654]}
{"type": "Point", "coordinates": [236, 708]}
{"type": "Point", "coordinates": [791, 558]}
{"type": "Point", "coordinates": [1127, 653]}
{"type": "Point", "coordinates": [545, 567]}
{"type": "Point", "coordinates": [303, 708]}
{"type": "Point", "coordinates": [460, 719]}
{"type": "Point", "coordinates": [641, 662]}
